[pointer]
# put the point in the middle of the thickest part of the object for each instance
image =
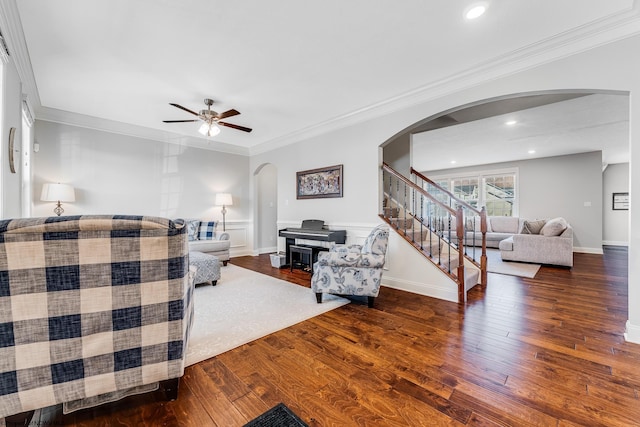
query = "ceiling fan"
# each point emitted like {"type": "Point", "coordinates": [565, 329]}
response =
{"type": "Point", "coordinates": [210, 119]}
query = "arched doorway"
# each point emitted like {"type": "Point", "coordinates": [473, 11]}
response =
{"type": "Point", "coordinates": [266, 208]}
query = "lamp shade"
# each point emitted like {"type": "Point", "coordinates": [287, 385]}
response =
{"type": "Point", "coordinates": [224, 199]}
{"type": "Point", "coordinates": [57, 193]}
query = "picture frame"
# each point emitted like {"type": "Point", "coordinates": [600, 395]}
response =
{"type": "Point", "coordinates": [319, 183]}
{"type": "Point", "coordinates": [620, 201]}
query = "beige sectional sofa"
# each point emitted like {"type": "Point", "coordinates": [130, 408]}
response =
{"type": "Point", "coordinates": [552, 245]}
{"type": "Point", "coordinates": [498, 228]}
{"type": "Point", "coordinates": [538, 241]}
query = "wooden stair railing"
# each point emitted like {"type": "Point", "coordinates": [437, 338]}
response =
{"type": "Point", "coordinates": [474, 212]}
{"type": "Point", "coordinates": [435, 228]}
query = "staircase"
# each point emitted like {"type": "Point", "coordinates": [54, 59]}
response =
{"type": "Point", "coordinates": [436, 223]}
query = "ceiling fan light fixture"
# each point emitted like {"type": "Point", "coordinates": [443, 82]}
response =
{"type": "Point", "coordinates": [209, 129]}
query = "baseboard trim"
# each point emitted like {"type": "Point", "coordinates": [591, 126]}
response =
{"type": "Point", "coordinates": [269, 250]}
{"type": "Point", "coordinates": [597, 251]}
{"type": "Point", "coordinates": [615, 243]}
{"type": "Point", "coordinates": [425, 289]}
{"type": "Point", "coordinates": [632, 333]}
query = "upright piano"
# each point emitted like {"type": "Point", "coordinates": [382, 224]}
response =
{"type": "Point", "coordinates": [311, 229]}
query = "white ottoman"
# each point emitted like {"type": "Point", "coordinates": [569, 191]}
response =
{"type": "Point", "coordinates": [208, 267]}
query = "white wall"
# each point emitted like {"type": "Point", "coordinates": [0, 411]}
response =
{"type": "Point", "coordinates": [267, 211]}
{"type": "Point", "coordinates": [610, 67]}
{"type": "Point", "coordinates": [557, 186]}
{"type": "Point", "coordinates": [615, 223]}
{"type": "Point", "coordinates": [11, 117]}
{"type": "Point", "coordinates": [397, 154]}
{"type": "Point", "coordinates": [120, 174]}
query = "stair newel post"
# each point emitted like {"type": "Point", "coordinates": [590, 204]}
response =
{"type": "Point", "coordinates": [412, 200]}
{"type": "Point", "coordinates": [397, 200]}
{"type": "Point", "coordinates": [462, 295]}
{"type": "Point", "coordinates": [421, 222]}
{"type": "Point", "coordinates": [390, 206]}
{"type": "Point", "coordinates": [483, 256]}
{"type": "Point", "coordinates": [404, 207]}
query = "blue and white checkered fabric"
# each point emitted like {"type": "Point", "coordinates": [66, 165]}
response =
{"type": "Point", "coordinates": [90, 305]}
{"type": "Point", "coordinates": [207, 230]}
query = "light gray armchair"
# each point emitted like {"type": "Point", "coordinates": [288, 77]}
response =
{"type": "Point", "coordinates": [353, 269]}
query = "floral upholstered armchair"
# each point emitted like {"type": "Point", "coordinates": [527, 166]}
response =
{"type": "Point", "coordinates": [353, 269]}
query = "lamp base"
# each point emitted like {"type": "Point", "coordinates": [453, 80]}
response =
{"type": "Point", "coordinates": [58, 209]}
{"type": "Point", "coordinates": [224, 213]}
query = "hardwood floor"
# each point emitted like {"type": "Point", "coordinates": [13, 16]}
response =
{"type": "Point", "coordinates": [547, 351]}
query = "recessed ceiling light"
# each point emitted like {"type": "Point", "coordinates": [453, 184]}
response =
{"type": "Point", "coordinates": [474, 11]}
{"type": "Point", "coordinates": [453, 162]}
{"type": "Point", "coordinates": [510, 122]}
{"type": "Point", "coordinates": [531, 151]}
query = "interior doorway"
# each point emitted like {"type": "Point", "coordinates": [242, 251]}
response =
{"type": "Point", "coordinates": [266, 185]}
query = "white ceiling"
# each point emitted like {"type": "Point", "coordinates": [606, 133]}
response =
{"type": "Point", "coordinates": [598, 122]}
{"type": "Point", "coordinates": [292, 68]}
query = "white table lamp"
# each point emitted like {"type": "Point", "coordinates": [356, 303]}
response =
{"type": "Point", "coordinates": [58, 193]}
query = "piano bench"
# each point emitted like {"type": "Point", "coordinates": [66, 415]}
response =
{"type": "Point", "coordinates": [304, 253]}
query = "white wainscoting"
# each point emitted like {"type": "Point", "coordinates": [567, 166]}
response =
{"type": "Point", "coordinates": [241, 236]}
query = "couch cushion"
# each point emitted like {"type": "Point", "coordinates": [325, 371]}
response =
{"type": "Point", "coordinates": [504, 224]}
{"type": "Point", "coordinates": [554, 227]}
{"type": "Point", "coordinates": [210, 245]}
{"type": "Point", "coordinates": [192, 229]}
{"type": "Point", "coordinates": [473, 224]}
{"type": "Point", "coordinates": [533, 227]}
{"type": "Point", "coordinates": [207, 230]}
{"type": "Point", "coordinates": [506, 244]}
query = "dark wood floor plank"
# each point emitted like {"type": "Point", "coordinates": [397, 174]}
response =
{"type": "Point", "coordinates": [498, 406]}
{"type": "Point", "coordinates": [225, 380]}
{"type": "Point", "coordinates": [585, 410]}
{"type": "Point", "coordinates": [545, 351]}
{"type": "Point", "coordinates": [217, 405]}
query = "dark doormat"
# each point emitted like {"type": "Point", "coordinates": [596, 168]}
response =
{"type": "Point", "coordinates": [278, 416]}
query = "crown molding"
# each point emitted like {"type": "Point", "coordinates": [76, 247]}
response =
{"type": "Point", "coordinates": [11, 27]}
{"type": "Point", "coordinates": [598, 33]}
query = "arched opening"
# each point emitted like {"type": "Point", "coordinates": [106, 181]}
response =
{"type": "Point", "coordinates": [569, 151]}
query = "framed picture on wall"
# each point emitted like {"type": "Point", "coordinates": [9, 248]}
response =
{"type": "Point", "coordinates": [319, 183]}
{"type": "Point", "coordinates": [620, 201]}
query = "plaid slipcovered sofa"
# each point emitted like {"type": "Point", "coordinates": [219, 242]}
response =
{"type": "Point", "coordinates": [90, 307]}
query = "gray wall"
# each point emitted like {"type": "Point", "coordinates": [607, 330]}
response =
{"type": "Point", "coordinates": [616, 223]}
{"type": "Point", "coordinates": [567, 186]}
{"type": "Point", "coordinates": [115, 173]}
{"type": "Point", "coordinates": [397, 154]}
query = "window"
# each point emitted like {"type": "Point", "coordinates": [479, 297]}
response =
{"type": "Point", "coordinates": [466, 189]}
{"type": "Point", "coordinates": [499, 194]}
{"type": "Point", "coordinates": [495, 190]}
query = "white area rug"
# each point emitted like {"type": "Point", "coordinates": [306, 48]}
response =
{"type": "Point", "coordinates": [512, 268]}
{"type": "Point", "coordinates": [245, 306]}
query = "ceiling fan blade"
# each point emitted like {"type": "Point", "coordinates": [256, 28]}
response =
{"type": "Point", "coordinates": [235, 126]}
{"type": "Point", "coordinates": [185, 109]}
{"type": "Point", "coordinates": [179, 121]}
{"type": "Point", "coordinates": [229, 113]}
